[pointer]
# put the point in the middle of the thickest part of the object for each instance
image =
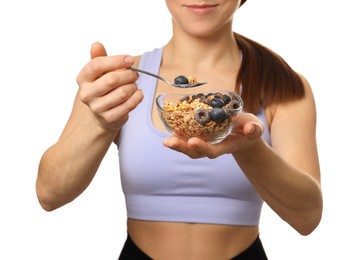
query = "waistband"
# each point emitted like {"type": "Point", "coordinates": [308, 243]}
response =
{"type": "Point", "coordinates": [131, 251]}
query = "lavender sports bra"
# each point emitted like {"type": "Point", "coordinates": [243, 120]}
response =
{"type": "Point", "coordinates": [160, 184]}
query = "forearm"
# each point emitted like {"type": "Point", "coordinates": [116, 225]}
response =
{"type": "Point", "coordinates": [67, 168]}
{"type": "Point", "coordinates": [291, 192]}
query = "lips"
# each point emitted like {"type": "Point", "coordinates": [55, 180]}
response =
{"type": "Point", "coordinates": [201, 8]}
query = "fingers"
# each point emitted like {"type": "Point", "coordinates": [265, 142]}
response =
{"type": "Point", "coordinates": [131, 103]}
{"type": "Point", "coordinates": [116, 116]}
{"type": "Point", "coordinates": [107, 83]}
{"type": "Point", "coordinates": [182, 146]}
{"type": "Point", "coordinates": [103, 74]}
{"type": "Point", "coordinates": [101, 65]}
{"type": "Point", "coordinates": [119, 95]}
{"type": "Point", "coordinates": [195, 147]}
{"type": "Point", "coordinates": [108, 87]}
{"type": "Point", "coordinates": [253, 130]}
{"type": "Point", "coordinates": [97, 50]}
{"type": "Point", "coordinates": [247, 130]}
{"type": "Point", "coordinates": [249, 126]}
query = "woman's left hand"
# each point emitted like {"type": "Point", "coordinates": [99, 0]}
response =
{"type": "Point", "coordinates": [247, 131]}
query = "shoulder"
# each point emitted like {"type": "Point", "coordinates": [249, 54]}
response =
{"type": "Point", "coordinates": [308, 97]}
{"type": "Point", "coordinates": [306, 104]}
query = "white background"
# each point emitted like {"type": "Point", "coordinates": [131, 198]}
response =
{"type": "Point", "coordinates": [44, 44]}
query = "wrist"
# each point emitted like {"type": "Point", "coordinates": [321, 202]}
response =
{"type": "Point", "coordinates": [252, 151]}
{"type": "Point", "coordinates": [103, 129]}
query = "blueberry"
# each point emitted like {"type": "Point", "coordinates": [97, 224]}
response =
{"type": "Point", "coordinates": [218, 115]}
{"type": "Point", "coordinates": [181, 80]}
{"type": "Point", "coordinates": [216, 102]}
{"type": "Point", "coordinates": [226, 99]}
{"type": "Point", "coordinates": [202, 116]}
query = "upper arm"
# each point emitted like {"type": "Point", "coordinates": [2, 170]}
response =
{"type": "Point", "coordinates": [293, 133]}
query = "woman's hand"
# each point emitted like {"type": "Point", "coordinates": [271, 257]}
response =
{"type": "Point", "coordinates": [108, 87]}
{"type": "Point", "coordinates": [246, 132]}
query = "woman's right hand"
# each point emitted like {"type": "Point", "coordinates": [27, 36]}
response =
{"type": "Point", "coordinates": [108, 87]}
{"type": "Point", "coordinates": [107, 93]}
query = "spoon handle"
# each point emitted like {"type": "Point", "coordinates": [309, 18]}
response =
{"type": "Point", "coordinates": [151, 74]}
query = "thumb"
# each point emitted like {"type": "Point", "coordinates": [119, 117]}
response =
{"type": "Point", "coordinates": [97, 50]}
{"type": "Point", "coordinates": [253, 130]}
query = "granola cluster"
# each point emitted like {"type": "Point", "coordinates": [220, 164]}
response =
{"type": "Point", "coordinates": [208, 117]}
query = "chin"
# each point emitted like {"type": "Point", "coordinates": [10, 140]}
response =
{"type": "Point", "coordinates": [204, 28]}
{"type": "Point", "coordinates": [202, 31]}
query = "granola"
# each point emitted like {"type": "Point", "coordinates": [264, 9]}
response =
{"type": "Point", "coordinates": [205, 116]}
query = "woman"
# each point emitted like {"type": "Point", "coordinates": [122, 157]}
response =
{"type": "Point", "coordinates": [190, 199]}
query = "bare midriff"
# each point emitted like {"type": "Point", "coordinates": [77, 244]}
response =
{"type": "Point", "coordinates": [173, 240]}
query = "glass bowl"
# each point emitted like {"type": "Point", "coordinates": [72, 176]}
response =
{"type": "Point", "coordinates": [209, 116]}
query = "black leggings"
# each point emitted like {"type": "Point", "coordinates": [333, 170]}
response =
{"type": "Point", "coordinates": [132, 252]}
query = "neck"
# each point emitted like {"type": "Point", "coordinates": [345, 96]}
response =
{"type": "Point", "coordinates": [200, 52]}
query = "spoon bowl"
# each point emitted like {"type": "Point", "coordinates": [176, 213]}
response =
{"type": "Point", "coordinates": [168, 82]}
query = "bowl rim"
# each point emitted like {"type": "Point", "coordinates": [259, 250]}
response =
{"type": "Point", "coordinates": [161, 109]}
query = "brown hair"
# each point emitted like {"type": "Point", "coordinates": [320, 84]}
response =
{"type": "Point", "coordinates": [265, 75]}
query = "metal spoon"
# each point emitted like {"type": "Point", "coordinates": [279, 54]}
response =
{"type": "Point", "coordinates": [166, 81]}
